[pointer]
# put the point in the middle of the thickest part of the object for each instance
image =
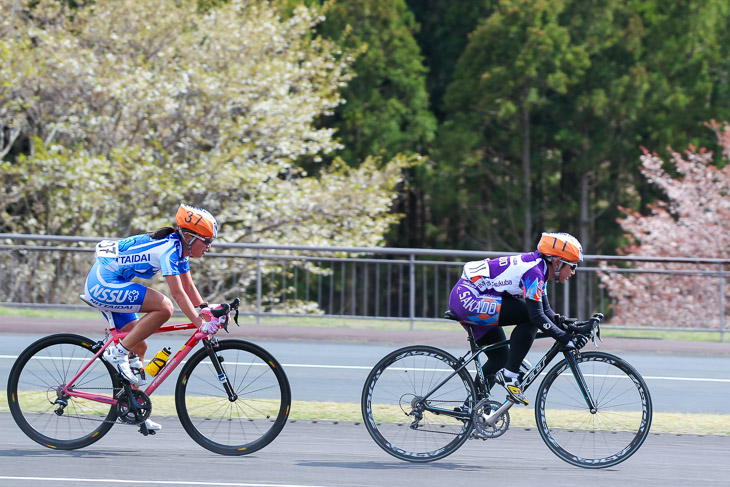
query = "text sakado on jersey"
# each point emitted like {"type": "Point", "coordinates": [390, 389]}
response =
{"type": "Point", "coordinates": [477, 305]}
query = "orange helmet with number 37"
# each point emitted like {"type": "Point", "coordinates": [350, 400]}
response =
{"type": "Point", "coordinates": [562, 246]}
{"type": "Point", "coordinates": [197, 220]}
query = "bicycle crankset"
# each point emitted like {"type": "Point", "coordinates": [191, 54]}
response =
{"type": "Point", "coordinates": [482, 411]}
{"type": "Point", "coordinates": [138, 412]}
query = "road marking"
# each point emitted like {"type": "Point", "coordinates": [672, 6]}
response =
{"type": "Point", "coordinates": [367, 367]}
{"type": "Point", "coordinates": [153, 482]}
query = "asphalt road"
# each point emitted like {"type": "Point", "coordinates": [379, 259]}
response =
{"type": "Point", "coordinates": [325, 454]}
{"type": "Point", "coordinates": [342, 454]}
{"type": "Point", "coordinates": [327, 371]}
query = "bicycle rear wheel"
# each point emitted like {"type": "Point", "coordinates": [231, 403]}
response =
{"type": "Point", "coordinates": [393, 411]}
{"type": "Point", "coordinates": [40, 408]}
{"type": "Point", "coordinates": [253, 419]}
{"type": "Point", "coordinates": [600, 438]}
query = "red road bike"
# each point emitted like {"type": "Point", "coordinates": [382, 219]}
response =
{"type": "Point", "coordinates": [232, 397]}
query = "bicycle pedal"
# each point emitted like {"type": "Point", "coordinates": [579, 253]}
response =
{"type": "Point", "coordinates": [143, 429]}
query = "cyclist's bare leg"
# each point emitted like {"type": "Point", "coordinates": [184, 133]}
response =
{"type": "Point", "coordinates": [141, 348]}
{"type": "Point", "coordinates": [158, 309]}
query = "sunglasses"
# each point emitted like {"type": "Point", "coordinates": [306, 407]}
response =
{"type": "Point", "coordinates": [205, 240]}
{"type": "Point", "coordinates": [573, 266]}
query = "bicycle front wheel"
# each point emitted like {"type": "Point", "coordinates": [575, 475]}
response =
{"type": "Point", "coordinates": [37, 401]}
{"type": "Point", "coordinates": [398, 417]}
{"type": "Point", "coordinates": [607, 435]}
{"type": "Point", "coordinates": [240, 425]}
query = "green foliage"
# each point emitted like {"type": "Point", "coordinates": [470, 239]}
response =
{"type": "Point", "coordinates": [386, 109]}
{"type": "Point", "coordinates": [443, 36]}
{"type": "Point", "coordinates": [516, 62]}
{"type": "Point", "coordinates": [550, 104]}
{"type": "Point", "coordinates": [135, 107]}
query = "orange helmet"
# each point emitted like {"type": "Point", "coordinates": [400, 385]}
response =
{"type": "Point", "coordinates": [562, 246]}
{"type": "Point", "coordinates": [197, 220]}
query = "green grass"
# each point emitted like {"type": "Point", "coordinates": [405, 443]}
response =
{"type": "Point", "coordinates": [521, 417]}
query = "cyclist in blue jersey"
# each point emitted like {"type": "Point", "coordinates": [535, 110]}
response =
{"type": "Point", "coordinates": [512, 290]}
{"type": "Point", "coordinates": [109, 285]}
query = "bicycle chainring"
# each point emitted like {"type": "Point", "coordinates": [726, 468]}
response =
{"type": "Point", "coordinates": [482, 411]}
{"type": "Point", "coordinates": [143, 410]}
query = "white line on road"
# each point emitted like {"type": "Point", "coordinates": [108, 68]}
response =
{"type": "Point", "coordinates": [152, 482]}
{"type": "Point", "coordinates": [367, 367]}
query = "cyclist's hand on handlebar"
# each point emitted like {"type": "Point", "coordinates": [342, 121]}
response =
{"type": "Point", "coordinates": [590, 329]}
{"type": "Point", "coordinates": [210, 327]}
{"type": "Point", "coordinates": [219, 314]}
{"type": "Point", "coordinates": [566, 340]}
{"type": "Point", "coordinates": [215, 316]}
{"type": "Point", "coordinates": [579, 340]}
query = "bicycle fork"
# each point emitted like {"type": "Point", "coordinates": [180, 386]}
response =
{"type": "Point", "coordinates": [582, 385]}
{"type": "Point", "coordinates": [216, 361]}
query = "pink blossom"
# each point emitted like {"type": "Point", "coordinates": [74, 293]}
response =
{"type": "Point", "coordinates": [691, 222]}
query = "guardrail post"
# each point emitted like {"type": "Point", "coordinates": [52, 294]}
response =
{"type": "Point", "coordinates": [258, 287]}
{"type": "Point", "coordinates": [412, 297]}
{"type": "Point", "coordinates": [722, 304]}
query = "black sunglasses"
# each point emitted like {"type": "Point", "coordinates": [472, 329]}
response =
{"type": "Point", "coordinates": [205, 240]}
{"type": "Point", "coordinates": [570, 264]}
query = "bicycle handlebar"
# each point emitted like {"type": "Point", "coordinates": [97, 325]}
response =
{"type": "Point", "coordinates": [225, 309]}
{"type": "Point", "coordinates": [590, 327]}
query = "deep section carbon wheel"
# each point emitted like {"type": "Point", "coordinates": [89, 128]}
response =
{"type": "Point", "coordinates": [602, 437]}
{"type": "Point", "coordinates": [408, 403]}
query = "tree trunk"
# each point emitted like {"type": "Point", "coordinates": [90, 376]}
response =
{"type": "Point", "coordinates": [582, 284]}
{"type": "Point", "coordinates": [527, 175]}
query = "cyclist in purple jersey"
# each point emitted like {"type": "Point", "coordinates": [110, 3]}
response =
{"type": "Point", "coordinates": [109, 285]}
{"type": "Point", "coordinates": [512, 290]}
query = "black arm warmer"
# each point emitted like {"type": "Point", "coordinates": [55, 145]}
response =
{"type": "Point", "coordinates": [536, 312]}
{"type": "Point", "coordinates": [547, 309]}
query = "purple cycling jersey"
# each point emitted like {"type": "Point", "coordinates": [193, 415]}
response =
{"type": "Point", "coordinates": [477, 296]}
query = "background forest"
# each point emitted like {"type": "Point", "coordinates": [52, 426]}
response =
{"type": "Point", "coordinates": [530, 115]}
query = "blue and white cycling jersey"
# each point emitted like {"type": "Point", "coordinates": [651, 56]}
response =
{"type": "Point", "coordinates": [141, 256]}
{"type": "Point", "coordinates": [109, 284]}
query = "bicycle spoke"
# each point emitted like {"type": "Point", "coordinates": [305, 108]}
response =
{"type": "Point", "coordinates": [36, 382]}
{"type": "Point", "coordinates": [394, 409]}
{"type": "Point", "coordinates": [250, 421]}
{"type": "Point", "coordinates": [600, 438]}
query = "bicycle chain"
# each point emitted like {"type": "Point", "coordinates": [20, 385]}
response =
{"type": "Point", "coordinates": [444, 432]}
{"type": "Point", "coordinates": [117, 421]}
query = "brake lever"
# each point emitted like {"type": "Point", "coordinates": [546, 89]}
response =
{"type": "Point", "coordinates": [225, 323]}
{"type": "Point", "coordinates": [596, 333]}
{"type": "Point", "coordinates": [234, 305]}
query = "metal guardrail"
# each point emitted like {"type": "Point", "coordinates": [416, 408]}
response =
{"type": "Point", "coordinates": [338, 282]}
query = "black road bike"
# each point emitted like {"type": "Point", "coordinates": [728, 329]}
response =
{"type": "Point", "coordinates": [593, 409]}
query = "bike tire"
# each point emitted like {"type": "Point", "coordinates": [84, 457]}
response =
{"type": "Point", "coordinates": [394, 386]}
{"type": "Point", "coordinates": [238, 427]}
{"type": "Point", "coordinates": [607, 436]}
{"type": "Point", "coordinates": [33, 389]}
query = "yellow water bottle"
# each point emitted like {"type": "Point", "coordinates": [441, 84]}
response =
{"type": "Point", "coordinates": [158, 361]}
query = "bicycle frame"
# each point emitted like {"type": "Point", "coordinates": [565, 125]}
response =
{"type": "Point", "coordinates": [529, 379]}
{"type": "Point", "coordinates": [114, 336]}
